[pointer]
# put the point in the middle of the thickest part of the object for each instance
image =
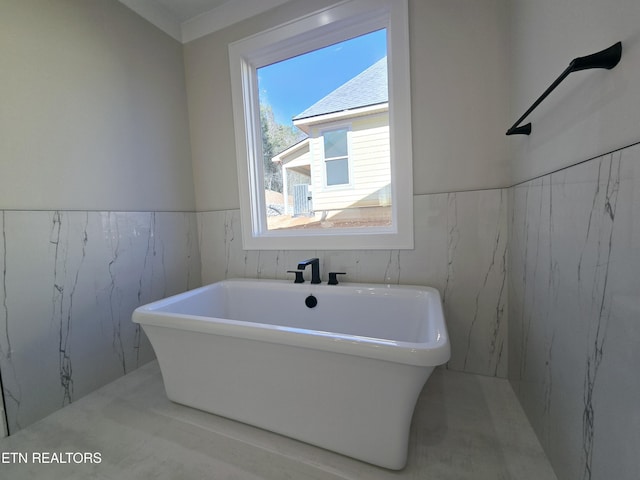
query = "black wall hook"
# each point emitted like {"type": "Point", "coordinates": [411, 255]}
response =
{"type": "Point", "coordinates": [607, 58]}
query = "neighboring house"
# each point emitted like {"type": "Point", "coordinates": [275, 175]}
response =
{"type": "Point", "coordinates": [345, 161]}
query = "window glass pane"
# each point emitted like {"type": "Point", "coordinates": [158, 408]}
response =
{"type": "Point", "coordinates": [342, 103]}
{"type": "Point", "coordinates": [335, 144]}
{"type": "Point", "coordinates": [337, 172]}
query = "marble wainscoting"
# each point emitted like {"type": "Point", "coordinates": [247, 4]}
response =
{"type": "Point", "coordinates": [574, 314]}
{"type": "Point", "coordinates": [69, 283]}
{"type": "Point", "coordinates": [460, 249]}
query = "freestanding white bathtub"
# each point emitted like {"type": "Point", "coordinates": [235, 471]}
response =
{"type": "Point", "coordinates": [343, 375]}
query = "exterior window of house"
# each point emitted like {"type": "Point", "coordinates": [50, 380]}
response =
{"type": "Point", "coordinates": [336, 157]}
{"type": "Point", "coordinates": [335, 170]}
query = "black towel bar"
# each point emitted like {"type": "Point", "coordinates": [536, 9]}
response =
{"type": "Point", "coordinates": [607, 58]}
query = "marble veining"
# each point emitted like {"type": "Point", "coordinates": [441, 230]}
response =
{"type": "Point", "coordinates": [115, 294]}
{"type": "Point", "coordinates": [6, 352]}
{"type": "Point", "coordinates": [600, 296]}
{"type": "Point", "coordinates": [573, 309]}
{"type": "Point", "coordinates": [64, 288]}
{"type": "Point", "coordinates": [453, 236]}
{"type": "Point", "coordinates": [70, 281]}
{"type": "Point", "coordinates": [12, 393]}
{"type": "Point", "coordinates": [481, 293]}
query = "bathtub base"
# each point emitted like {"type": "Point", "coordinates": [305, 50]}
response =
{"type": "Point", "coordinates": [360, 407]}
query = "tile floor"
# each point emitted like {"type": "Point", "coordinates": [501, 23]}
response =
{"type": "Point", "coordinates": [465, 427]}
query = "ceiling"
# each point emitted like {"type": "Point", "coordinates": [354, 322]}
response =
{"type": "Point", "coordinates": [187, 9]}
{"type": "Point", "coordinates": [187, 20]}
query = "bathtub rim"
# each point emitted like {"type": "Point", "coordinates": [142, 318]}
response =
{"type": "Point", "coordinates": [427, 354]}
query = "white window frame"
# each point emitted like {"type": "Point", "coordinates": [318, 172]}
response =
{"type": "Point", "coordinates": [342, 21]}
{"type": "Point", "coordinates": [339, 186]}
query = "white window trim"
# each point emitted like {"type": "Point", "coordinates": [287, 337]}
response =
{"type": "Point", "coordinates": [337, 23]}
{"type": "Point", "coordinates": [323, 158]}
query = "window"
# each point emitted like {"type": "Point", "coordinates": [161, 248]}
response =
{"type": "Point", "coordinates": [341, 178]}
{"type": "Point", "coordinates": [336, 157]}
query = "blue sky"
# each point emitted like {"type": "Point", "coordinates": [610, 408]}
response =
{"type": "Point", "coordinates": [293, 85]}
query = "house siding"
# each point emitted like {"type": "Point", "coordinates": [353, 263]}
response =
{"type": "Point", "coordinates": [369, 165]}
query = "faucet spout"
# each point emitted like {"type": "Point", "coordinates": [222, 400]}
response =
{"type": "Point", "coordinates": [315, 268]}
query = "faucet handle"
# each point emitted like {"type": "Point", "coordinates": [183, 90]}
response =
{"type": "Point", "coordinates": [299, 277]}
{"type": "Point", "coordinates": [333, 277]}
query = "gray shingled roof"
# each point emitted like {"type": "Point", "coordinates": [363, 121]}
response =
{"type": "Point", "coordinates": [367, 88]}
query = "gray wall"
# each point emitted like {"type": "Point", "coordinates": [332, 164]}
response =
{"type": "Point", "coordinates": [96, 196]}
{"type": "Point", "coordinates": [458, 90]}
{"type": "Point", "coordinates": [574, 302]}
{"type": "Point", "coordinates": [592, 112]}
{"type": "Point", "coordinates": [93, 110]}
